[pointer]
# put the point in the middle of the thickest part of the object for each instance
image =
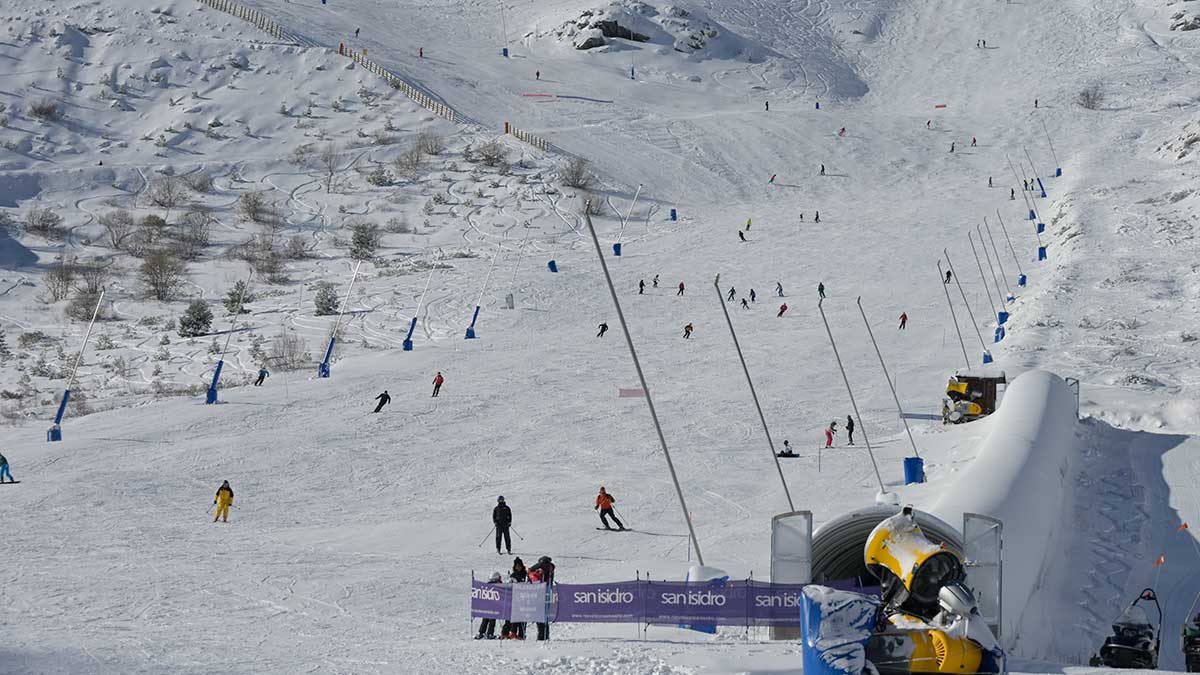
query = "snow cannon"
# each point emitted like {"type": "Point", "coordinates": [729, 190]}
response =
{"type": "Point", "coordinates": [1135, 640]}
{"type": "Point", "coordinates": [971, 396]}
{"type": "Point", "coordinates": [926, 619]}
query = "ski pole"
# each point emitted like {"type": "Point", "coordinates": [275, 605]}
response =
{"type": "Point", "coordinates": [485, 538]}
{"type": "Point", "coordinates": [514, 531]}
{"type": "Point", "coordinates": [618, 515]}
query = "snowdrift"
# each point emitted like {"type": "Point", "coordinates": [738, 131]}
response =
{"type": "Point", "coordinates": [1022, 476]}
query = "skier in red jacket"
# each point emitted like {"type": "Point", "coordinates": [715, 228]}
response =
{"type": "Point", "coordinates": [437, 383]}
{"type": "Point", "coordinates": [782, 309]}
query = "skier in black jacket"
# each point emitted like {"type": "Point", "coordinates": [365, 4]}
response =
{"type": "Point", "coordinates": [383, 399]}
{"type": "Point", "coordinates": [850, 429]}
{"type": "Point", "coordinates": [502, 519]}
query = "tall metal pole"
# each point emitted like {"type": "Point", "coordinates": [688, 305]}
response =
{"type": "Point", "coordinates": [987, 290]}
{"type": "Point", "coordinates": [504, 24]}
{"type": "Point", "coordinates": [1011, 250]}
{"type": "Point", "coordinates": [1050, 143]}
{"type": "Point", "coordinates": [407, 345]}
{"type": "Point", "coordinates": [953, 316]}
{"type": "Point", "coordinates": [988, 257]}
{"type": "Point", "coordinates": [687, 516]}
{"type": "Point", "coordinates": [963, 293]}
{"type": "Point", "coordinates": [850, 392]}
{"type": "Point", "coordinates": [887, 377]}
{"type": "Point", "coordinates": [54, 434]}
{"type": "Point", "coordinates": [1003, 274]}
{"type": "Point", "coordinates": [630, 214]}
{"type": "Point", "coordinates": [323, 366]}
{"type": "Point", "coordinates": [211, 395]}
{"type": "Point", "coordinates": [753, 393]}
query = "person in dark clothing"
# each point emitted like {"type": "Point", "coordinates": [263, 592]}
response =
{"type": "Point", "coordinates": [687, 331]}
{"type": "Point", "coordinates": [383, 399]}
{"type": "Point", "coordinates": [753, 295]}
{"type": "Point", "coordinates": [732, 292]}
{"type": "Point", "coordinates": [656, 281]}
{"type": "Point", "coordinates": [821, 289]}
{"type": "Point", "coordinates": [741, 235]}
{"type": "Point", "coordinates": [822, 170]}
{"type": "Point", "coordinates": [437, 383]}
{"type": "Point", "coordinates": [768, 105]}
{"type": "Point", "coordinates": [4, 470]}
{"type": "Point", "coordinates": [543, 572]}
{"type": "Point", "coordinates": [1012, 193]}
{"type": "Point", "coordinates": [262, 375]}
{"type": "Point", "coordinates": [817, 217]}
{"type": "Point", "coordinates": [948, 275]}
{"type": "Point", "coordinates": [604, 504]}
{"type": "Point", "coordinates": [745, 305]}
{"type": "Point", "coordinates": [680, 289]}
{"type": "Point", "coordinates": [641, 286]}
{"type": "Point", "coordinates": [603, 330]}
{"type": "Point", "coordinates": [787, 451]}
{"type": "Point", "coordinates": [782, 309]}
{"type": "Point", "coordinates": [518, 575]}
{"type": "Point", "coordinates": [487, 627]}
{"type": "Point", "coordinates": [903, 320]}
{"type": "Point", "coordinates": [502, 519]}
{"type": "Point", "coordinates": [850, 429]}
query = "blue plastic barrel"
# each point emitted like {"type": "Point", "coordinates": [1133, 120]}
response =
{"type": "Point", "coordinates": [1058, 172]}
{"type": "Point", "coordinates": [1032, 215]}
{"type": "Point", "coordinates": [1041, 253]}
{"type": "Point", "coordinates": [553, 266]}
{"type": "Point", "coordinates": [1041, 228]}
{"type": "Point", "coordinates": [504, 52]}
{"type": "Point", "coordinates": [987, 358]}
{"type": "Point", "coordinates": [914, 470]}
{"type": "Point", "coordinates": [617, 250]}
{"type": "Point", "coordinates": [1021, 280]}
{"type": "Point", "coordinates": [674, 216]}
{"type": "Point", "coordinates": [1001, 317]}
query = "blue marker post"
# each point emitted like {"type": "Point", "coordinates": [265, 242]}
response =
{"type": "Point", "coordinates": [210, 397]}
{"type": "Point", "coordinates": [323, 366]}
{"type": "Point", "coordinates": [54, 434]}
{"type": "Point", "coordinates": [475, 317]}
{"type": "Point", "coordinates": [412, 326]}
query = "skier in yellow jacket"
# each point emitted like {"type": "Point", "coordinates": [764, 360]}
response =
{"type": "Point", "coordinates": [223, 500]}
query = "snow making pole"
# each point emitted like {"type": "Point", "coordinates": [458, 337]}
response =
{"type": "Point", "coordinates": [55, 432]}
{"type": "Point", "coordinates": [412, 325]}
{"type": "Point", "coordinates": [996, 251]}
{"type": "Point", "coordinates": [1021, 280]}
{"type": "Point", "coordinates": [509, 303]}
{"type": "Point", "coordinates": [211, 396]}
{"type": "Point", "coordinates": [479, 302]}
{"type": "Point", "coordinates": [617, 244]}
{"type": "Point", "coordinates": [323, 366]}
{"type": "Point", "coordinates": [953, 316]}
{"type": "Point", "coordinates": [1001, 315]}
{"type": "Point", "coordinates": [987, 356]}
{"type": "Point", "coordinates": [992, 270]}
{"type": "Point", "coordinates": [871, 453]}
{"type": "Point", "coordinates": [662, 441]}
{"type": "Point", "coordinates": [504, 28]}
{"type": "Point", "coordinates": [753, 394]}
{"type": "Point", "coordinates": [1057, 165]}
{"type": "Point", "coordinates": [887, 377]}
{"type": "Point", "coordinates": [1033, 168]}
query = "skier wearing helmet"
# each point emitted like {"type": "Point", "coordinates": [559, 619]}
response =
{"type": "Point", "coordinates": [502, 519]}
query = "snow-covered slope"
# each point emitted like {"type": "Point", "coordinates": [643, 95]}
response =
{"type": "Point", "coordinates": [354, 535]}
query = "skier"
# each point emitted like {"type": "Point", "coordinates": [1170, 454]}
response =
{"type": "Point", "coordinates": [356, 32]}
{"type": "Point", "coordinates": [772, 180]}
{"type": "Point", "coordinates": [821, 289]}
{"type": "Point", "coordinates": [787, 451]}
{"type": "Point", "coordinates": [802, 216]}
{"type": "Point", "coordinates": [951, 146]}
{"type": "Point", "coordinates": [4, 470]}
{"type": "Point", "coordinates": [850, 429]}
{"type": "Point", "coordinates": [680, 289]}
{"type": "Point", "coordinates": [989, 181]}
{"type": "Point", "coordinates": [519, 575]}
{"type": "Point", "coordinates": [383, 399]}
{"type": "Point", "coordinates": [779, 289]}
{"type": "Point", "coordinates": [1035, 103]}
{"type": "Point", "coordinates": [829, 431]}
{"type": "Point", "coordinates": [748, 221]}
{"type": "Point", "coordinates": [817, 217]}
{"type": "Point", "coordinates": [543, 571]}
{"type": "Point", "coordinates": [742, 235]}
{"type": "Point", "coordinates": [767, 105]}
{"type": "Point", "coordinates": [656, 281]}
{"type": "Point", "coordinates": [948, 275]}
{"type": "Point", "coordinates": [641, 286]}
{"type": "Point", "coordinates": [822, 170]}
{"type": "Point", "coordinates": [927, 123]}
{"type": "Point", "coordinates": [973, 142]}
{"type": "Point", "coordinates": [903, 320]}
{"type": "Point", "coordinates": [985, 44]}
{"type": "Point", "coordinates": [437, 383]}
{"type": "Point", "coordinates": [223, 500]}
{"type": "Point", "coordinates": [421, 52]}
{"type": "Point", "coordinates": [603, 329]}
{"type": "Point", "coordinates": [1012, 193]}
{"type": "Point", "coordinates": [487, 627]}
{"type": "Point", "coordinates": [262, 375]}
{"type": "Point", "coordinates": [537, 74]}
{"type": "Point", "coordinates": [604, 504]}
{"type": "Point", "coordinates": [502, 519]}
{"type": "Point", "coordinates": [1025, 186]}
{"type": "Point", "coordinates": [687, 332]}
{"type": "Point", "coordinates": [753, 295]}
{"type": "Point", "coordinates": [745, 305]}
{"type": "Point", "coordinates": [782, 309]}
{"type": "Point", "coordinates": [842, 131]}
{"type": "Point", "coordinates": [732, 291]}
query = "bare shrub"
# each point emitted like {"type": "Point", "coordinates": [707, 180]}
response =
{"type": "Point", "coordinates": [43, 222]}
{"type": "Point", "coordinates": [194, 233]}
{"type": "Point", "coordinates": [409, 163]}
{"type": "Point", "coordinates": [574, 173]}
{"type": "Point", "coordinates": [162, 272]}
{"type": "Point", "coordinates": [58, 279]}
{"type": "Point", "coordinates": [289, 352]}
{"type": "Point", "coordinates": [1092, 97]}
{"type": "Point", "coordinates": [252, 206]}
{"type": "Point", "coordinates": [167, 192]}
{"type": "Point", "coordinates": [327, 161]}
{"type": "Point", "coordinates": [91, 277]}
{"type": "Point", "coordinates": [492, 153]}
{"type": "Point", "coordinates": [200, 182]}
{"type": "Point", "coordinates": [295, 249]}
{"type": "Point", "coordinates": [153, 229]}
{"type": "Point", "coordinates": [82, 305]}
{"type": "Point", "coordinates": [118, 225]}
{"type": "Point", "coordinates": [431, 143]}
{"type": "Point", "coordinates": [45, 109]}
{"type": "Point", "coordinates": [260, 253]}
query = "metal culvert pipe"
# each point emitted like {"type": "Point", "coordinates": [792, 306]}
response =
{"type": "Point", "coordinates": [837, 546]}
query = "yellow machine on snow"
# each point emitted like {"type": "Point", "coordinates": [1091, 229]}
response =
{"type": "Point", "coordinates": [970, 396]}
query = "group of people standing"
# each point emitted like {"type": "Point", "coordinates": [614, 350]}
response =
{"type": "Point", "coordinates": [541, 572]}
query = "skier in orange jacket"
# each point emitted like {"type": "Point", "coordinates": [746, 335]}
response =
{"type": "Point", "coordinates": [604, 504]}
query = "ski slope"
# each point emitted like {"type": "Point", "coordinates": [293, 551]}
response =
{"type": "Point", "coordinates": [353, 536]}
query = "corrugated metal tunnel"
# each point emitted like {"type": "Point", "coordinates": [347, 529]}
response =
{"type": "Point", "coordinates": [837, 547]}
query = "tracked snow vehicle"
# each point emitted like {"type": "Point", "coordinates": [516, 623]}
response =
{"type": "Point", "coordinates": [1135, 640]}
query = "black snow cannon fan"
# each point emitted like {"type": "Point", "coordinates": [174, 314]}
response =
{"type": "Point", "coordinates": [1135, 641]}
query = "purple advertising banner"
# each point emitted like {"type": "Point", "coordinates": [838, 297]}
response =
{"type": "Point", "coordinates": [727, 603]}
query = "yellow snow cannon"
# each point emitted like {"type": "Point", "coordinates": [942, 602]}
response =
{"type": "Point", "coordinates": [971, 396]}
{"type": "Point", "coordinates": [930, 621]}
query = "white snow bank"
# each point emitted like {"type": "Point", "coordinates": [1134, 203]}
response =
{"type": "Point", "coordinates": [1022, 476]}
